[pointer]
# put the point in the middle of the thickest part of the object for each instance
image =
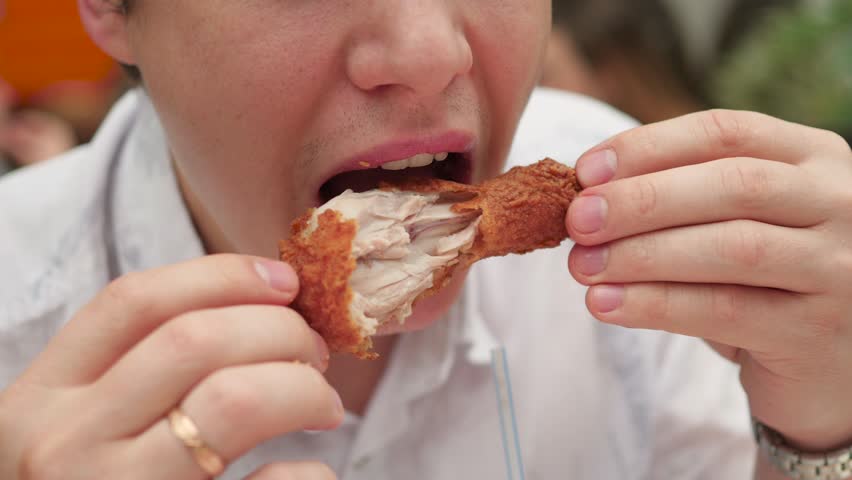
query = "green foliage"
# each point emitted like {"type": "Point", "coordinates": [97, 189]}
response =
{"type": "Point", "coordinates": [796, 65]}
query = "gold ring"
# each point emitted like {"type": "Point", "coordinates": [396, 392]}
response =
{"type": "Point", "coordinates": [185, 429]}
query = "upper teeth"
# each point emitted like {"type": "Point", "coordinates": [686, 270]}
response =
{"type": "Point", "coordinates": [419, 160]}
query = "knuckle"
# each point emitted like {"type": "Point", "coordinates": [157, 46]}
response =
{"type": "Point", "coordinates": [641, 139]}
{"type": "Point", "coordinates": [642, 251]}
{"type": "Point", "coordinates": [742, 245]}
{"type": "Point", "coordinates": [823, 324]}
{"type": "Point", "coordinates": [292, 331]}
{"type": "Point", "coordinates": [725, 128]}
{"type": "Point", "coordinates": [644, 196]}
{"type": "Point", "coordinates": [658, 308]}
{"type": "Point", "coordinates": [748, 185]}
{"type": "Point", "coordinates": [231, 270]}
{"type": "Point", "coordinates": [189, 338]}
{"type": "Point", "coordinates": [727, 305]}
{"type": "Point", "coordinates": [228, 396]}
{"type": "Point", "coordinates": [129, 292]}
{"type": "Point", "coordinates": [835, 141]}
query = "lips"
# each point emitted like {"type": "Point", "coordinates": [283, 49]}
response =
{"type": "Point", "coordinates": [448, 156]}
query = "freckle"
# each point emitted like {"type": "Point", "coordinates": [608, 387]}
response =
{"type": "Point", "coordinates": [364, 164]}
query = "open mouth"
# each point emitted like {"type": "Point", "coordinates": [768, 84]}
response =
{"type": "Point", "coordinates": [451, 166]}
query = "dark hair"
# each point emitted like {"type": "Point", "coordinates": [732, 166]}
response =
{"type": "Point", "coordinates": [642, 25]}
{"type": "Point", "coordinates": [644, 28]}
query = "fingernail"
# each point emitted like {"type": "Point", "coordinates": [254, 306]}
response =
{"type": "Point", "coordinates": [606, 298]}
{"type": "Point", "coordinates": [588, 213]}
{"type": "Point", "coordinates": [277, 275]}
{"type": "Point", "coordinates": [590, 261]}
{"type": "Point", "coordinates": [322, 351]}
{"type": "Point", "coordinates": [597, 168]}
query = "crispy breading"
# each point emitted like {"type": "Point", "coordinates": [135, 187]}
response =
{"type": "Point", "coordinates": [324, 263]}
{"type": "Point", "coordinates": [520, 211]}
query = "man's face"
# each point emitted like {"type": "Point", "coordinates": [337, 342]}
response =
{"type": "Point", "coordinates": [263, 101]}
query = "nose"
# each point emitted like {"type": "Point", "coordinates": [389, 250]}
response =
{"type": "Point", "coordinates": [413, 45]}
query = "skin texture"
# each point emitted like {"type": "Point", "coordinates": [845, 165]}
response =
{"type": "Point", "coordinates": [361, 81]}
{"type": "Point", "coordinates": [259, 107]}
{"type": "Point", "coordinates": [520, 211]}
{"type": "Point", "coordinates": [727, 226]}
{"type": "Point", "coordinates": [733, 227]}
{"type": "Point", "coordinates": [320, 96]}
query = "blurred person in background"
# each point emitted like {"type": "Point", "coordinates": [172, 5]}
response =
{"type": "Point", "coordinates": [58, 84]}
{"type": "Point", "coordinates": [637, 54]}
{"type": "Point", "coordinates": [145, 318]}
{"type": "Point", "coordinates": [28, 136]}
{"type": "Point", "coordinates": [627, 53]}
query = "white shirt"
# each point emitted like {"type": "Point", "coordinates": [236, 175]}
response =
{"type": "Point", "coordinates": [592, 401]}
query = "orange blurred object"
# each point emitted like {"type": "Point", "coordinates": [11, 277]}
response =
{"type": "Point", "coordinates": [43, 44]}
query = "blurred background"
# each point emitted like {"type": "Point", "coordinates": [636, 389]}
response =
{"type": "Point", "coordinates": [55, 85]}
{"type": "Point", "coordinates": [654, 59]}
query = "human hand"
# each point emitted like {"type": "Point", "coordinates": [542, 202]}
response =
{"type": "Point", "coordinates": [734, 227]}
{"type": "Point", "coordinates": [213, 336]}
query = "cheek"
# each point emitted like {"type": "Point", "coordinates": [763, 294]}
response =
{"type": "Point", "coordinates": [509, 43]}
{"type": "Point", "coordinates": [237, 93]}
{"type": "Point", "coordinates": [228, 75]}
{"type": "Point", "coordinates": [516, 47]}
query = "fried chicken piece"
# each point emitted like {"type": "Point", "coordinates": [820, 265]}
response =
{"type": "Point", "coordinates": [365, 258]}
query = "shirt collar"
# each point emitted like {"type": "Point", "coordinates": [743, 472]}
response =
{"type": "Point", "coordinates": [151, 223]}
{"type": "Point", "coordinates": [429, 355]}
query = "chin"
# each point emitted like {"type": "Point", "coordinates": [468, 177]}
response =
{"type": "Point", "coordinates": [428, 310]}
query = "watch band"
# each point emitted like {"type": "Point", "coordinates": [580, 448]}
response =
{"type": "Point", "coordinates": [836, 465]}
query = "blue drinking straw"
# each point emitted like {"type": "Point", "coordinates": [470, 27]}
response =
{"type": "Point", "coordinates": [508, 422]}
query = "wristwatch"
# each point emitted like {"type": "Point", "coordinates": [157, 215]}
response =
{"type": "Point", "coordinates": [836, 465]}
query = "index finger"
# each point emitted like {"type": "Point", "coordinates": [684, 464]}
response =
{"type": "Point", "coordinates": [133, 306]}
{"type": "Point", "coordinates": [698, 138]}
